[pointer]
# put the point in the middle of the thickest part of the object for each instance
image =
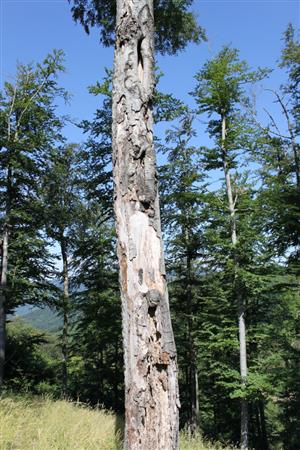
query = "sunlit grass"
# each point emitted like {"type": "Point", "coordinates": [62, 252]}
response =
{"type": "Point", "coordinates": [197, 443]}
{"type": "Point", "coordinates": [43, 424]}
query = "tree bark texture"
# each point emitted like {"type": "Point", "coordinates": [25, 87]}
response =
{"type": "Point", "coordinates": [151, 390]}
{"type": "Point", "coordinates": [240, 301]}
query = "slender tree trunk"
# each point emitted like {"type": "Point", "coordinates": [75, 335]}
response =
{"type": "Point", "coordinates": [4, 268]}
{"type": "Point", "coordinates": [295, 148]}
{"type": "Point", "coordinates": [257, 434]}
{"type": "Point", "coordinates": [151, 391]}
{"type": "Point", "coordinates": [194, 389]}
{"type": "Point", "coordinates": [116, 371]}
{"type": "Point", "coordinates": [240, 301]}
{"type": "Point", "coordinates": [264, 435]}
{"type": "Point", "coordinates": [294, 144]}
{"type": "Point", "coordinates": [65, 306]}
{"type": "Point", "coordinates": [297, 162]}
{"type": "Point", "coordinates": [193, 375]}
{"type": "Point", "coordinates": [4, 265]}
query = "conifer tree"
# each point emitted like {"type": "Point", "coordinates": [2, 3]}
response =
{"type": "Point", "coordinates": [64, 212]}
{"type": "Point", "coordinates": [29, 128]}
{"type": "Point", "coordinates": [180, 185]}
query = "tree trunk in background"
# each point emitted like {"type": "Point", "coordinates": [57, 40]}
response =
{"type": "Point", "coordinates": [151, 390]}
{"type": "Point", "coordinates": [194, 393]}
{"type": "Point", "coordinates": [4, 268]}
{"type": "Point", "coordinates": [65, 307]}
{"type": "Point", "coordinates": [240, 301]}
{"type": "Point", "coordinates": [4, 265]}
{"type": "Point", "coordinates": [193, 374]}
{"type": "Point", "coordinates": [264, 435]}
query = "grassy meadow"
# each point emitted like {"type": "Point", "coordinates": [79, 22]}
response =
{"type": "Point", "coordinates": [43, 424]}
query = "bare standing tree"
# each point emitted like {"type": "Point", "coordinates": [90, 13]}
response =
{"type": "Point", "coordinates": [151, 390]}
{"type": "Point", "coordinates": [151, 396]}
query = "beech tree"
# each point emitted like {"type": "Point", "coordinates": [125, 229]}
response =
{"type": "Point", "coordinates": [151, 392]}
{"type": "Point", "coordinates": [220, 89]}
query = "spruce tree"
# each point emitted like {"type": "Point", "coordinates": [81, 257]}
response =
{"type": "Point", "coordinates": [180, 185]}
{"type": "Point", "coordinates": [30, 127]}
{"type": "Point", "coordinates": [64, 212]}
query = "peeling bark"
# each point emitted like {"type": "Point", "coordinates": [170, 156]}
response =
{"type": "Point", "coordinates": [151, 391]}
{"type": "Point", "coordinates": [240, 301]}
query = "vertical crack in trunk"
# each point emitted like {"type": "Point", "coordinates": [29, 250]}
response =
{"type": "Point", "coordinates": [140, 60]}
{"type": "Point", "coordinates": [151, 391]}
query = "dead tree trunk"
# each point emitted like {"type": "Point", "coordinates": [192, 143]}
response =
{"type": "Point", "coordinates": [151, 391]}
{"type": "Point", "coordinates": [240, 301]}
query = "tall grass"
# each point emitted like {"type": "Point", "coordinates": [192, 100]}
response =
{"type": "Point", "coordinates": [197, 443]}
{"type": "Point", "coordinates": [43, 424]}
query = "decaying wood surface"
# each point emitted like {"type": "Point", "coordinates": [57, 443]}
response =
{"type": "Point", "coordinates": [151, 390]}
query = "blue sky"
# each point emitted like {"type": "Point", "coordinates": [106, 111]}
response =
{"type": "Point", "coordinates": [32, 28]}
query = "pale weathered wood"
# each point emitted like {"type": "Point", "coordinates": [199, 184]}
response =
{"type": "Point", "coordinates": [151, 391]}
{"type": "Point", "coordinates": [240, 301]}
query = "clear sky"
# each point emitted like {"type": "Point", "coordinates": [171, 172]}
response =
{"type": "Point", "coordinates": [32, 28]}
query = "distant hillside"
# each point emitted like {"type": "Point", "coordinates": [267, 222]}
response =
{"type": "Point", "coordinates": [43, 319]}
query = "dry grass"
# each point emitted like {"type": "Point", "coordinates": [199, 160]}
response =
{"type": "Point", "coordinates": [44, 424]}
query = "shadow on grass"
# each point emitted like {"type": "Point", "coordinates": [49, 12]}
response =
{"type": "Point", "coordinates": [119, 432]}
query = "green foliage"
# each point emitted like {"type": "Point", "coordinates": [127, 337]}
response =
{"type": "Point", "coordinates": [205, 270]}
{"type": "Point", "coordinates": [175, 25]}
{"type": "Point", "coordinates": [29, 128]}
{"type": "Point", "coordinates": [32, 360]}
{"type": "Point", "coordinates": [290, 59]}
{"type": "Point", "coordinates": [221, 81]}
{"type": "Point", "coordinates": [96, 336]}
